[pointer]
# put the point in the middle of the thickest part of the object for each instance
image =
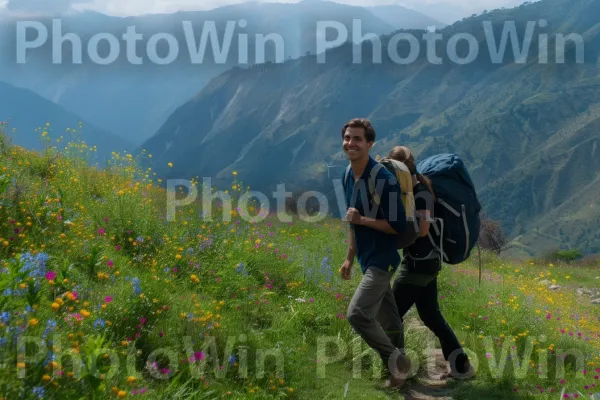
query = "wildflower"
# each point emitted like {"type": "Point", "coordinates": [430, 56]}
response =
{"type": "Point", "coordinates": [35, 265]}
{"type": "Point", "coordinates": [50, 326]}
{"type": "Point", "coordinates": [198, 356]}
{"type": "Point", "coordinates": [240, 269]}
{"type": "Point", "coordinates": [39, 392]}
{"type": "Point", "coordinates": [135, 283]}
{"type": "Point", "coordinates": [50, 275]}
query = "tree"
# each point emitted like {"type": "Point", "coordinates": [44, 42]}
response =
{"type": "Point", "coordinates": [491, 234]}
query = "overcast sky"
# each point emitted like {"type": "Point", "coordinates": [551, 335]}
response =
{"type": "Point", "coordinates": [456, 8]}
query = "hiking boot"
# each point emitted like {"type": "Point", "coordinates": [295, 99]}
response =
{"type": "Point", "coordinates": [453, 374]}
{"type": "Point", "coordinates": [397, 376]}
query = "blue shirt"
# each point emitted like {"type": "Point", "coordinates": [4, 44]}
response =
{"type": "Point", "coordinates": [373, 247]}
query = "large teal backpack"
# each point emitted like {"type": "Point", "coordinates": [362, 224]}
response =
{"type": "Point", "coordinates": [456, 209]}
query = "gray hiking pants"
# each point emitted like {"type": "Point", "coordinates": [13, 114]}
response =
{"type": "Point", "coordinates": [374, 315]}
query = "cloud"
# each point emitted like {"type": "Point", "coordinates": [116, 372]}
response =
{"type": "Point", "coordinates": [40, 6]}
{"type": "Point", "coordinates": [455, 8]}
{"type": "Point", "coordinates": [3, 4]}
{"type": "Point", "coordinates": [138, 7]}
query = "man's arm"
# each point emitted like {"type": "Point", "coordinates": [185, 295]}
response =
{"type": "Point", "coordinates": [378, 224]}
{"type": "Point", "coordinates": [351, 246]}
{"type": "Point", "coordinates": [351, 253]}
{"type": "Point", "coordinates": [394, 216]}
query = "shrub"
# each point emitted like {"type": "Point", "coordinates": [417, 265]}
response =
{"type": "Point", "coordinates": [557, 255]}
{"type": "Point", "coordinates": [491, 235]}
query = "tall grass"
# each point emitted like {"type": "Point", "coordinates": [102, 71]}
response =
{"type": "Point", "coordinates": [103, 296]}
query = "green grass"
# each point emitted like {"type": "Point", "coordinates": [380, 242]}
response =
{"type": "Point", "coordinates": [88, 258]}
{"type": "Point", "coordinates": [577, 276]}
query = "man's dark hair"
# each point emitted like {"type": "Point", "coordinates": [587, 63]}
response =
{"type": "Point", "coordinates": [361, 123]}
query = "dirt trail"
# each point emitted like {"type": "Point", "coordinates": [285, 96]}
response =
{"type": "Point", "coordinates": [428, 386]}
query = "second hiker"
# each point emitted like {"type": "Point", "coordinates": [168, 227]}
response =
{"type": "Point", "coordinates": [416, 282]}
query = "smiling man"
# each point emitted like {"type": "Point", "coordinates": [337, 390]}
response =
{"type": "Point", "coordinates": [372, 311]}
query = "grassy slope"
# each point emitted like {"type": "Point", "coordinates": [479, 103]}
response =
{"type": "Point", "coordinates": [125, 273]}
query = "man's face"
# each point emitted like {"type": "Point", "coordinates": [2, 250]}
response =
{"type": "Point", "coordinates": [355, 144]}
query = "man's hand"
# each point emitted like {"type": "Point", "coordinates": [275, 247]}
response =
{"type": "Point", "coordinates": [353, 216]}
{"type": "Point", "coordinates": [345, 270]}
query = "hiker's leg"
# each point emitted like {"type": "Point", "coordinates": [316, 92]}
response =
{"type": "Point", "coordinates": [404, 296]}
{"type": "Point", "coordinates": [390, 320]}
{"type": "Point", "coordinates": [429, 312]}
{"type": "Point", "coordinates": [364, 309]}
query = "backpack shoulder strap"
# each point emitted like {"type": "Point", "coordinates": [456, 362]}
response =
{"type": "Point", "coordinates": [346, 175]}
{"type": "Point", "coordinates": [373, 181]}
{"type": "Point", "coordinates": [439, 233]}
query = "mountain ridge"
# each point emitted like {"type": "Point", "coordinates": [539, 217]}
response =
{"type": "Point", "coordinates": [28, 112]}
{"type": "Point", "coordinates": [256, 120]}
{"type": "Point", "coordinates": [134, 100]}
